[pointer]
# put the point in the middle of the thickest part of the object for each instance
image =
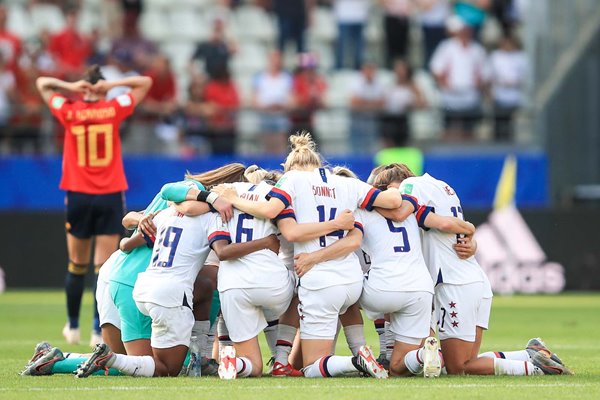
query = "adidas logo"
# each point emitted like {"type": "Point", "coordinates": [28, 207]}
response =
{"type": "Point", "coordinates": [513, 259]}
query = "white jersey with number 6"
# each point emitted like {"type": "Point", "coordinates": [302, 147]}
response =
{"type": "Point", "coordinates": [261, 269]}
{"type": "Point", "coordinates": [444, 265]}
{"type": "Point", "coordinates": [179, 252]}
{"type": "Point", "coordinates": [397, 263]}
{"type": "Point", "coordinates": [318, 196]}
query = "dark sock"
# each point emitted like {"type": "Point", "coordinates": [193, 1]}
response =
{"type": "Point", "coordinates": [96, 324]}
{"type": "Point", "coordinates": [74, 285]}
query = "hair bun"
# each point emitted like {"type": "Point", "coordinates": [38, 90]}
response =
{"type": "Point", "coordinates": [301, 140]}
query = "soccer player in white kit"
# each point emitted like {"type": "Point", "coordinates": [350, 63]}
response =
{"type": "Point", "coordinates": [250, 286]}
{"type": "Point", "coordinates": [329, 288]}
{"type": "Point", "coordinates": [460, 285]}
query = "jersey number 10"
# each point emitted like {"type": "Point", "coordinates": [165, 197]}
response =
{"type": "Point", "coordinates": [89, 151]}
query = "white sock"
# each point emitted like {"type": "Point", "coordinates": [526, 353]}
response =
{"type": "Point", "coordinates": [380, 328]}
{"type": "Point", "coordinates": [210, 340]}
{"type": "Point", "coordinates": [134, 365]}
{"type": "Point", "coordinates": [389, 341]}
{"type": "Point", "coordinates": [414, 361]}
{"type": "Point", "coordinates": [244, 367]}
{"type": "Point", "coordinates": [200, 332]}
{"type": "Point", "coordinates": [76, 355]}
{"type": "Point", "coordinates": [519, 355]}
{"type": "Point", "coordinates": [514, 367]}
{"type": "Point", "coordinates": [285, 341]}
{"type": "Point", "coordinates": [355, 337]}
{"type": "Point", "coordinates": [271, 336]}
{"type": "Point", "coordinates": [223, 332]}
{"type": "Point", "coordinates": [330, 366]}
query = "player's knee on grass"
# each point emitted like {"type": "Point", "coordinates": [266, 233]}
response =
{"type": "Point", "coordinates": [78, 268]}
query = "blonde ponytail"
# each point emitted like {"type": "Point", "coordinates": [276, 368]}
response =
{"type": "Point", "coordinates": [303, 152]}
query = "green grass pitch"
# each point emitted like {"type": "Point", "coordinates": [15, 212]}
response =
{"type": "Point", "coordinates": [569, 323]}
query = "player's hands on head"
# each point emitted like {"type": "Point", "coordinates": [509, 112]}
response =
{"type": "Point", "coordinates": [224, 207]}
{"type": "Point", "coordinates": [101, 87]}
{"type": "Point", "coordinates": [344, 220]}
{"type": "Point", "coordinates": [303, 263]}
{"type": "Point", "coordinates": [466, 247]}
{"type": "Point", "coordinates": [273, 243]}
{"type": "Point", "coordinates": [146, 225]}
{"type": "Point", "coordinates": [81, 86]}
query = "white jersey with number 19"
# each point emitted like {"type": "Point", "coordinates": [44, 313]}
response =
{"type": "Point", "coordinates": [179, 252]}
{"type": "Point", "coordinates": [443, 262]}
{"type": "Point", "coordinates": [318, 196]}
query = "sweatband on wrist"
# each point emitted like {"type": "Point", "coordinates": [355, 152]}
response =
{"type": "Point", "coordinates": [207, 197]}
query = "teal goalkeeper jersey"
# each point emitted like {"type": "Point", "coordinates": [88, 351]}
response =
{"type": "Point", "coordinates": [127, 266]}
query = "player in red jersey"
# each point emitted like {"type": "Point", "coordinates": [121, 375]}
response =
{"type": "Point", "coordinates": [92, 174]}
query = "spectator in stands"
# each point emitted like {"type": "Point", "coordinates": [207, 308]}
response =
{"type": "Point", "coordinates": [507, 14]}
{"type": "Point", "coordinates": [28, 108]}
{"type": "Point", "coordinates": [272, 97]}
{"type": "Point", "coordinates": [308, 91]}
{"type": "Point", "coordinates": [195, 111]}
{"type": "Point", "coordinates": [37, 56]}
{"type": "Point", "coordinates": [400, 99]}
{"type": "Point", "coordinates": [459, 67]}
{"type": "Point", "coordinates": [473, 13]}
{"type": "Point", "coordinates": [216, 52]}
{"type": "Point", "coordinates": [508, 67]}
{"type": "Point", "coordinates": [10, 45]}
{"type": "Point", "coordinates": [142, 50]}
{"type": "Point", "coordinates": [396, 23]}
{"type": "Point", "coordinates": [292, 17]}
{"type": "Point", "coordinates": [161, 102]}
{"type": "Point", "coordinates": [223, 100]}
{"type": "Point", "coordinates": [69, 48]}
{"type": "Point", "coordinates": [7, 93]}
{"type": "Point", "coordinates": [351, 17]}
{"type": "Point", "coordinates": [366, 103]}
{"type": "Point", "coordinates": [432, 16]}
{"type": "Point", "coordinates": [133, 8]}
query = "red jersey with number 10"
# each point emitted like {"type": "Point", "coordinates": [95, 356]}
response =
{"type": "Point", "coordinates": [92, 160]}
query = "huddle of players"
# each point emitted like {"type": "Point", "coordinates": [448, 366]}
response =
{"type": "Point", "coordinates": [312, 278]}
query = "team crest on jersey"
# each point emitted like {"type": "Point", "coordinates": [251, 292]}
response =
{"type": "Point", "coordinates": [58, 102]}
{"type": "Point", "coordinates": [449, 191]}
{"type": "Point", "coordinates": [407, 189]}
{"type": "Point", "coordinates": [280, 182]}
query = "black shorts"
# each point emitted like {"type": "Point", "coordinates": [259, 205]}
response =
{"type": "Point", "coordinates": [94, 214]}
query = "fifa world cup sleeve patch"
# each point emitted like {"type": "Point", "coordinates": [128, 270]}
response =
{"type": "Point", "coordinates": [57, 102]}
{"type": "Point", "coordinates": [124, 100]}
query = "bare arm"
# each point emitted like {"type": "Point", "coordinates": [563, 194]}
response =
{"type": "Point", "coordinates": [140, 85]}
{"type": "Point", "coordinates": [47, 86]}
{"type": "Point", "coordinates": [132, 219]}
{"type": "Point", "coordinates": [397, 214]}
{"type": "Point", "coordinates": [192, 208]}
{"type": "Point", "coordinates": [130, 243]}
{"type": "Point", "coordinates": [230, 251]}
{"type": "Point", "coordinates": [264, 209]}
{"type": "Point", "coordinates": [449, 224]}
{"type": "Point", "coordinates": [295, 232]}
{"type": "Point", "coordinates": [305, 261]}
{"type": "Point", "coordinates": [466, 247]}
{"type": "Point", "coordinates": [390, 198]}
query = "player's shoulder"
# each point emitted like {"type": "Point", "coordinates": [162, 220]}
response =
{"type": "Point", "coordinates": [123, 100]}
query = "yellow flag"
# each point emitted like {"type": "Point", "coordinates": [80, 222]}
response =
{"type": "Point", "coordinates": [507, 184]}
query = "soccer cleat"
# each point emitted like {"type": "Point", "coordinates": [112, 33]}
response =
{"type": "Point", "coordinates": [536, 345]}
{"type": "Point", "coordinates": [432, 365]}
{"type": "Point", "coordinates": [228, 367]}
{"type": "Point", "coordinates": [365, 362]}
{"type": "Point", "coordinates": [95, 339]}
{"type": "Point", "coordinates": [43, 364]}
{"type": "Point", "coordinates": [383, 361]}
{"type": "Point", "coordinates": [100, 359]}
{"type": "Point", "coordinates": [40, 350]}
{"type": "Point", "coordinates": [72, 336]}
{"type": "Point", "coordinates": [280, 370]}
{"type": "Point", "coordinates": [548, 365]}
{"type": "Point", "coordinates": [209, 367]}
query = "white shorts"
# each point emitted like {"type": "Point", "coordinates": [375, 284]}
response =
{"type": "Point", "coordinates": [483, 312]}
{"type": "Point", "coordinates": [246, 311]}
{"type": "Point", "coordinates": [410, 312]}
{"type": "Point", "coordinates": [106, 306]}
{"type": "Point", "coordinates": [212, 259]}
{"type": "Point", "coordinates": [457, 309]}
{"type": "Point", "coordinates": [171, 326]}
{"type": "Point", "coordinates": [320, 309]}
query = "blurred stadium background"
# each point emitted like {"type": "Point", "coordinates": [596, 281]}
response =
{"type": "Point", "coordinates": [527, 99]}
